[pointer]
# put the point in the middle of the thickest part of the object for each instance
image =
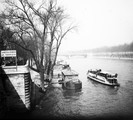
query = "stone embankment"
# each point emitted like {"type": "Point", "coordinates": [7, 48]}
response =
{"type": "Point", "coordinates": [13, 87]}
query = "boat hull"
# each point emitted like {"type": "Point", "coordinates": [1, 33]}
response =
{"type": "Point", "coordinates": [71, 85]}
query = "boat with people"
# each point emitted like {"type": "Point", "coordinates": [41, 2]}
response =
{"type": "Point", "coordinates": [103, 77]}
{"type": "Point", "coordinates": [70, 80]}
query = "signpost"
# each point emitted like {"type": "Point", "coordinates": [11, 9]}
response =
{"type": "Point", "coordinates": [9, 53]}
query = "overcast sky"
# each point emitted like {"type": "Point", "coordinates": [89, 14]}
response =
{"type": "Point", "coordinates": [99, 23]}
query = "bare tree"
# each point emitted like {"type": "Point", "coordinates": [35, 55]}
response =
{"type": "Point", "coordinates": [41, 25]}
{"type": "Point", "coordinates": [57, 31]}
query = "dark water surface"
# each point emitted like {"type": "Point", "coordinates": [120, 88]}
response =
{"type": "Point", "coordinates": [94, 100]}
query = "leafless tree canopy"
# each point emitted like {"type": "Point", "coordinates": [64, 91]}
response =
{"type": "Point", "coordinates": [41, 29]}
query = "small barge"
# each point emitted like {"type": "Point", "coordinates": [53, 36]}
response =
{"type": "Point", "coordinates": [70, 80]}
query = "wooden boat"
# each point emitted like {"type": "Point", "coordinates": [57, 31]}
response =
{"type": "Point", "coordinates": [103, 77]}
{"type": "Point", "coordinates": [70, 80]}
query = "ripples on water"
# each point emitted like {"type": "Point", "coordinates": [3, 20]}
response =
{"type": "Point", "coordinates": [94, 99]}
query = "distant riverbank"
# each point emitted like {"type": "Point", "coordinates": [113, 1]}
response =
{"type": "Point", "coordinates": [110, 55]}
{"type": "Point", "coordinates": [113, 55]}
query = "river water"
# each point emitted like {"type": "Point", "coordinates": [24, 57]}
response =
{"type": "Point", "coordinates": [94, 100]}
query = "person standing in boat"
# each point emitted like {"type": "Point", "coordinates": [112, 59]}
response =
{"type": "Point", "coordinates": [98, 71]}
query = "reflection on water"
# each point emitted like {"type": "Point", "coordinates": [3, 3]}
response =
{"type": "Point", "coordinates": [68, 94]}
{"type": "Point", "coordinates": [94, 99]}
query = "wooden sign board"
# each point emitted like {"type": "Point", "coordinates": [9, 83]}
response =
{"type": "Point", "coordinates": [8, 53]}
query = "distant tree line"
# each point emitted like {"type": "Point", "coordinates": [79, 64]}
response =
{"type": "Point", "coordinates": [119, 48]}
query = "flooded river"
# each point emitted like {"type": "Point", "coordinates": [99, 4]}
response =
{"type": "Point", "coordinates": [94, 100]}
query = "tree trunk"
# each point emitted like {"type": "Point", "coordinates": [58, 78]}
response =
{"type": "Point", "coordinates": [52, 65]}
{"type": "Point", "coordinates": [42, 80]}
{"type": "Point", "coordinates": [51, 74]}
